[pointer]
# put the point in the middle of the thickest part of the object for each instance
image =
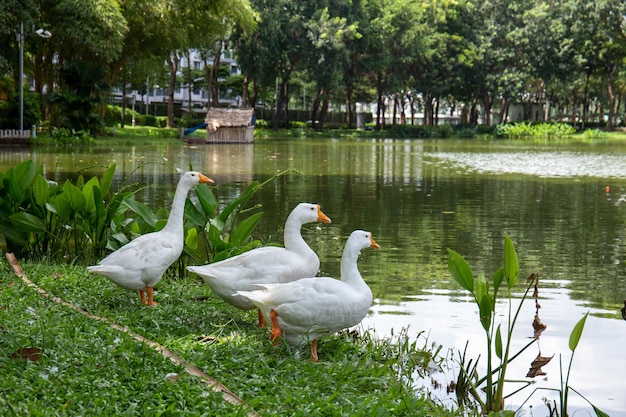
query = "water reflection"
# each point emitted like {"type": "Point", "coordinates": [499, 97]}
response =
{"type": "Point", "coordinates": [420, 198]}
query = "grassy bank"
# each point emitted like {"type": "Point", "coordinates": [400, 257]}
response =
{"type": "Point", "coordinates": [147, 133]}
{"type": "Point", "coordinates": [86, 367]}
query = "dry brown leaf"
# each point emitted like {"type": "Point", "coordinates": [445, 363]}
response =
{"type": "Point", "coordinates": [536, 364]}
{"type": "Point", "coordinates": [30, 354]}
{"type": "Point", "coordinates": [538, 326]}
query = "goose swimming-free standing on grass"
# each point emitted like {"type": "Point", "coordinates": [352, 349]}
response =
{"type": "Point", "coordinates": [140, 264]}
{"type": "Point", "coordinates": [268, 264]}
{"type": "Point", "coordinates": [309, 308]}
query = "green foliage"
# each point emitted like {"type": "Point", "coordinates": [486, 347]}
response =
{"type": "Point", "coordinates": [77, 103]}
{"type": "Point", "coordinates": [523, 130]}
{"type": "Point", "coordinates": [63, 136]}
{"type": "Point", "coordinates": [10, 111]}
{"type": "Point", "coordinates": [593, 134]}
{"type": "Point", "coordinates": [498, 345]}
{"type": "Point", "coordinates": [40, 219]}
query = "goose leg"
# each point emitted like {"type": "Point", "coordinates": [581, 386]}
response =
{"type": "Point", "coordinates": [276, 332]}
{"type": "Point", "coordinates": [151, 302]}
{"type": "Point", "coordinates": [261, 319]}
{"type": "Point", "coordinates": [142, 295]}
{"type": "Point", "coordinates": [314, 357]}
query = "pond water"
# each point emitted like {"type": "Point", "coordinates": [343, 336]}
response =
{"type": "Point", "coordinates": [564, 207]}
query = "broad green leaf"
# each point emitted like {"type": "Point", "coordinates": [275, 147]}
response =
{"type": "Point", "coordinates": [191, 239]}
{"type": "Point", "coordinates": [41, 190]}
{"type": "Point", "coordinates": [24, 173]}
{"type": "Point", "coordinates": [239, 202]}
{"type": "Point", "coordinates": [90, 204]}
{"type": "Point", "coordinates": [194, 215]}
{"type": "Point", "coordinates": [577, 332]}
{"type": "Point", "coordinates": [26, 222]}
{"type": "Point", "coordinates": [14, 192]}
{"type": "Point", "coordinates": [511, 263]}
{"type": "Point", "coordinates": [207, 200]}
{"type": "Point", "coordinates": [61, 206]}
{"type": "Point", "coordinates": [244, 229]}
{"type": "Point", "coordinates": [481, 287]}
{"type": "Point", "coordinates": [460, 270]}
{"type": "Point", "coordinates": [498, 342]}
{"type": "Point", "coordinates": [74, 197]}
{"type": "Point", "coordinates": [485, 310]}
{"type": "Point", "coordinates": [107, 178]}
{"type": "Point", "coordinates": [498, 277]}
{"type": "Point", "coordinates": [100, 212]}
{"type": "Point", "coordinates": [13, 235]}
{"type": "Point", "coordinates": [217, 224]}
{"type": "Point", "coordinates": [142, 211]}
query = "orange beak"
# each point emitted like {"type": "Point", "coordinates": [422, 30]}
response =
{"type": "Point", "coordinates": [205, 180]}
{"type": "Point", "coordinates": [373, 243]}
{"type": "Point", "coordinates": [321, 217]}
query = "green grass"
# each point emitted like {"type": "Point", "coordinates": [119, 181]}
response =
{"type": "Point", "coordinates": [88, 368]}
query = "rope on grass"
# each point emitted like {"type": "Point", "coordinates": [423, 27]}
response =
{"type": "Point", "coordinates": [213, 383]}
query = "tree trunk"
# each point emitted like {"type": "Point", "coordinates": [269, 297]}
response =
{"type": "Point", "coordinates": [487, 103]}
{"type": "Point", "coordinates": [215, 70]}
{"type": "Point", "coordinates": [349, 116]}
{"type": "Point", "coordinates": [315, 108]}
{"type": "Point", "coordinates": [284, 94]}
{"type": "Point", "coordinates": [324, 110]}
{"type": "Point", "coordinates": [609, 83]}
{"type": "Point", "coordinates": [245, 100]}
{"type": "Point", "coordinates": [172, 63]}
{"type": "Point", "coordinates": [428, 109]}
{"type": "Point", "coordinates": [585, 100]}
{"type": "Point", "coordinates": [123, 119]}
{"type": "Point", "coordinates": [379, 99]}
{"type": "Point", "coordinates": [189, 82]}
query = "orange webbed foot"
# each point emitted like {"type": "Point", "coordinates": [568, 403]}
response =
{"type": "Point", "coordinates": [275, 333]}
{"type": "Point", "coordinates": [261, 319]}
{"type": "Point", "coordinates": [150, 301]}
{"type": "Point", "coordinates": [314, 357]}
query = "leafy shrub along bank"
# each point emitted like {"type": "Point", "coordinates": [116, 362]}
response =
{"type": "Point", "coordinates": [40, 219]}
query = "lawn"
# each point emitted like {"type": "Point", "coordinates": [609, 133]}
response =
{"type": "Point", "coordinates": [79, 358]}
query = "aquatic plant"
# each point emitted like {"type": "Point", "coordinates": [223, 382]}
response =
{"type": "Point", "coordinates": [498, 345]}
{"type": "Point", "coordinates": [488, 390]}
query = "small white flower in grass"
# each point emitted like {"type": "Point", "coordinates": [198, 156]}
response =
{"type": "Point", "coordinates": [117, 341]}
{"type": "Point", "coordinates": [54, 369]}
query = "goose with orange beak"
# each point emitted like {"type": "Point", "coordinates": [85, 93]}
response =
{"type": "Point", "coordinates": [140, 264]}
{"type": "Point", "coordinates": [309, 308]}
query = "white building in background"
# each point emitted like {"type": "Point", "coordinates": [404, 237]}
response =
{"type": "Point", "coordinates": [199, 97]}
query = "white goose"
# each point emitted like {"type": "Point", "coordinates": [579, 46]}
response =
{"type": "Point", "coordinates": [309, 308]}
{"type": "Point", "coordinates": [140, 264]}
{"type": "Point", "coordinates": [268, 264]}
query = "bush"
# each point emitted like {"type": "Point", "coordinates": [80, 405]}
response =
{"type": "Point", "coordinates": [538, 130]}
{"type": "Point", "coordinates": [10, 111]}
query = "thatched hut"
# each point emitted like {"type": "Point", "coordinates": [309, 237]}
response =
{"type": "Point", "coordinates": [230, 125]}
